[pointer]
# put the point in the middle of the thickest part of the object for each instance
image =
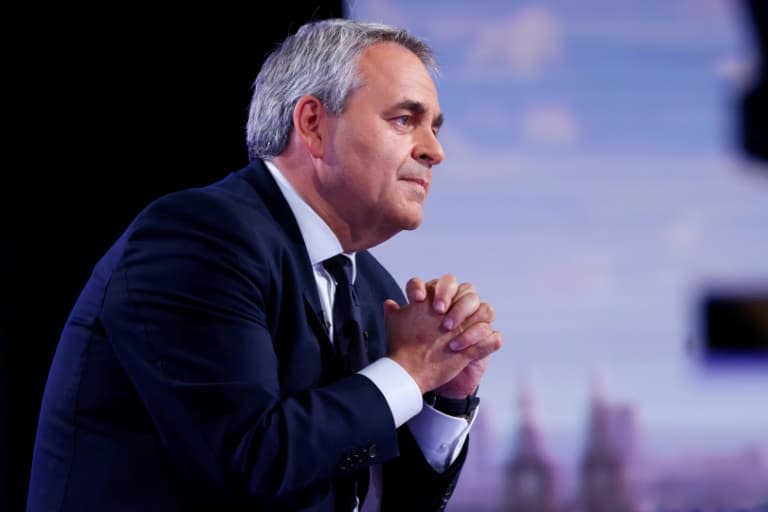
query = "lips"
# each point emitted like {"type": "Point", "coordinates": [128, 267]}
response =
{"type": "Point", "coordinates": [419, 181]}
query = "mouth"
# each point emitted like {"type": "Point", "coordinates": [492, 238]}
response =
{"type": "Point", "coordinates": [424, 184]}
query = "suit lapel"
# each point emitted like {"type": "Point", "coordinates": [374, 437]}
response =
{"type": "Point", "coordinates": [259, 177]}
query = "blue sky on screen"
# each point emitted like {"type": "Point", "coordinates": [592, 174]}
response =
{"type": "Point", "coordinates": [592, 190]}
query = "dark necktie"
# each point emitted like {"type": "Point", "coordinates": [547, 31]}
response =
{"type": "Point", "coordinates": [352, 355]}
{"type": "Point", "coordinates": [347, 322]}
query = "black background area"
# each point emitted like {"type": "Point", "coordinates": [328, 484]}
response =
{"type": "Point", "coordinates": [103, 111]}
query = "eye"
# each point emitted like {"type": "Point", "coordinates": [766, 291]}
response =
{"type": "Point", "coordinates": [403, 121]}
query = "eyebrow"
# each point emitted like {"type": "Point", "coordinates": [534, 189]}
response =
{"type": "Point", "coordinates": [418, 108]}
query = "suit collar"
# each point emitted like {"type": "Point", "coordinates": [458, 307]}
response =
{"type": "Point", "coordinates": [319, 238]}
{"type": "Point", "coordinates": [259, 177]}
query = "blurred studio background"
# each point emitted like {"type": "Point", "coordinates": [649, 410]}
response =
{"type": "Point", "coordinates": [605, 188]}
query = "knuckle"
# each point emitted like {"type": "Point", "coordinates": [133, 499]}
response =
{"type": "Point", "coordinates": [481, 332]}
{"type": "Point", "coordinates": [486, 312]}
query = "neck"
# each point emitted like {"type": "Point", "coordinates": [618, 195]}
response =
{"type": "Point", "coordinates": [301, 171]}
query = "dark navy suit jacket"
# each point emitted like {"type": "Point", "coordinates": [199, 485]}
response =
{"type": "Point", "coordinates": [195, 373]}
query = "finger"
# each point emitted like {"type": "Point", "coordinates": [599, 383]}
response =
{"type": "Point", "coordinates": [390, 307]}
{"type": "Point", "coordinates": [485, 347]}
{"type": "Point", "coordinates": [445, 289]}
{"type": "Point", "coordinates": [483, 313]}
{"type": "Point", "coordinates": [462, 308]}
{"type": "Point", "coordinates": [464, 288]}
{"type": "Point", "coordinates": [473, 335]}
{"type": "Point", "coordinates": [479, 365]}
{"type": "Point", "coordinates": [416, 290]}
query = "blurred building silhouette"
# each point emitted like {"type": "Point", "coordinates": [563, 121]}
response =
{"type": "Point", "coordinates": [610, 442]}
{"type": "Point", "coordinates": [531, 480]}
{"type": "Point", "coordinates": [612, 475]}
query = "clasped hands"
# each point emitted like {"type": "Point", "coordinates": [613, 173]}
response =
{"type": "Point", "coordinates": [443, 337]}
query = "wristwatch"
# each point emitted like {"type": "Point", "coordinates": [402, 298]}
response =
{"type": "Point", "coordinates": [459, 407]}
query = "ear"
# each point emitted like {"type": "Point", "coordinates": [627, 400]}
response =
{"type": "Point", "coordinates": [309, 122]}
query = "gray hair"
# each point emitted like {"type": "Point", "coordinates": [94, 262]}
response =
{"type": "Point", "coordinates": [321, 60]}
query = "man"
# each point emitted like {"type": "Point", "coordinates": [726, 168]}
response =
{"type": "Point", "coordinates": [219, 358]}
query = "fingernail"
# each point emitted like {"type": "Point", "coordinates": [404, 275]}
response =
{"type": "Point", "coordinates": [454, 344]}
{"type": "Point", "coordinates": [440, 306]}
{"type": "Point", "coordinates": [448, 323]}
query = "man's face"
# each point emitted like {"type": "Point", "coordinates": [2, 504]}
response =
{"type": "Point", "coordinates": [381, 149]}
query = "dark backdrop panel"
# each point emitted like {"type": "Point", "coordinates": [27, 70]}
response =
{"type": "Point", "coordinates": [754, 104]}
{"type": "Point", "coordinates": [105, 111]}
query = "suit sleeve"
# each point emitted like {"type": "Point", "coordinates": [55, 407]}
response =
{"type": "Point", "coordinates": [410, 482]}
{"type": "Point", "coordinates": [187, 311]}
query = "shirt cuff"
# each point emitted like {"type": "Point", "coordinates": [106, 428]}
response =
{"type": "Point", "coordinates": [401, 392]}
{"type": "Point", "coordinates": [440, 436]}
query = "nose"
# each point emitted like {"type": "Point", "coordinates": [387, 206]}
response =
{"type": "Point", "coordinates": [427, 148]}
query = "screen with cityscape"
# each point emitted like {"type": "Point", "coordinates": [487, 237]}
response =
{"type": "Point", "coordinates": [595, 193]}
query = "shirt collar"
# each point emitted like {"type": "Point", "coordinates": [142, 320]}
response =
{"type": "Point", "coordinates": [321, 242]}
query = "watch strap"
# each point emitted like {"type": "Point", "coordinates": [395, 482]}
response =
{"type": "Point", "coordinates": [459, 407]}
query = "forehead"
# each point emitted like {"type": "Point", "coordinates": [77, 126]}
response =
{"type": "Point", "coordinates": [393, 73]}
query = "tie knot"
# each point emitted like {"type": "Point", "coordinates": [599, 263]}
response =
{"type": "Point", "coordinates": [340, 268]}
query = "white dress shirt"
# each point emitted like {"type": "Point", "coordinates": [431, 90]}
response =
{"type": "Point", "coordinates": [440, 436]}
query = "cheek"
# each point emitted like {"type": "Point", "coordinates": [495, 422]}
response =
{"type": "Point", "coordinates": [373, 159]}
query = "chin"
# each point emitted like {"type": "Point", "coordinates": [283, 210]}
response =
{"type": "Point", "coordinates": [412, 223]}
{"type": "Point", "coordinates": [405, 218]}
